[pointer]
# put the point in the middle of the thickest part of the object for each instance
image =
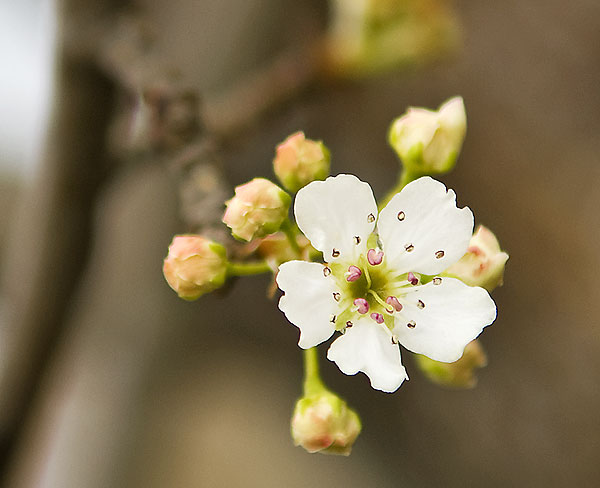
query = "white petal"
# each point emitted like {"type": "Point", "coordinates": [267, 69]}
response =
{"type": "Point", "coordinates": [368, 348]}
{"type": "Point", "coordinates": [452, 315]}
{"type": "Point", "coordinates": [308, 302]}
{"type": "Point", "coordinates": [334, 213]}
{"type": "Point", "coordinates": [424, 215]}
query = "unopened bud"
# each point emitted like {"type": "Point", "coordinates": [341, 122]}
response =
{"type": "Point", "coordinates": [459, 374]}
{"type": "Point", "coordinates": [324, 423]}
{"type": "Point", "coordinates": [299, 161]}
{"type": "Point", "coordinates": [366, 37]}
{"type": "Point", "coordinates": [194, 266]}
{"type": "Point", "coordinates": [483, 264]}
{"type": "Point", "coordinates": [276, 247]}
{"type": "Point", "coordinates": [258, 209]}
{"type": "Point", "coordinates": [428, 142]}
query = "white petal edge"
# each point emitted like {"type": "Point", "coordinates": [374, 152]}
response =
{"type": "Point", "coordinates": [430, 222]}
{"type": "Point", "coordinates": [368, 348]}
{"type": "Point", "coordinates": [308, 300]}
{"type": "Point", "coordinates": [334, 213]}
{"type": "Point", "coordinates": [453, 315]}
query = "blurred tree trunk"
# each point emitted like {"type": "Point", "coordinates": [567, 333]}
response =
{"type": "Point", "coordinates": [70, 362]}
{"type": "Point", "coordinates": [107, 377]}
{"type": "Point", "coordinates": [51, 239]}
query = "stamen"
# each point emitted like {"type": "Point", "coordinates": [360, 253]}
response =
{"type": "Point", "coordinates": [353, 273]}
{"type": "Point", "coordinates": [412, 279]}
{"type": "Point", "coordinates": [335, 253]}
{"type": "Point", "coordinates": [437, 280]}
{"type": "Point", "coordinates": [349, 324]}
{"type": "Point", "coordinates": [326, 271]}
{"type": "Point", "coordinates": [377, 317]}
{"type": "Point", "coordinates": [409, 247]}
{"type": "Point", "coordinates": [362, 306]}
{"type": "Point", "coordinates": [421, 304]}
{"type": "Point", "coordinates": [439, 254]}
{"type": "Point", "coordinates": [401, 216]}
{"type": "Point", "coordinates": [411, 325]}
{"type": "Point", "coordinates": [332, 319]}
{"type": "Point", "coordinates": [370, 218]}
{"type": "Point", "coordinates": [394, 339]}
{"type": "Point", "coordinates": [393, 301]}
{"type": "Point", "coordinates": [374, 257]}
{"type": "Point", "coordinates": [336, 296]}
{"type": "Point", "coordinates": [357, 240]}
{"type": "Point", "coordinates": [387, 331]}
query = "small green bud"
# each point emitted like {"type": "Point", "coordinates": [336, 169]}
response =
{"type": "Point", "coordinates": [323, 422]}
{"type": "Point", "coordinates": [429, 142]}
{"type": "Point", "coordinates": [258, 209]}
{"type": "Point", "coordinates": [483, 264]}
{"type": "Point", "coordinates": [299, 161]}
{"type": "Point", "coordinates": [194, 266]}
{"type": "Point", "coordinates": [459, 374]}
{"type": "Point", "coordinates": [367, 37]}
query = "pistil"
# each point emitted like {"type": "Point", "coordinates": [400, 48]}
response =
{"type": "Point", "coordinates": [385, 306]}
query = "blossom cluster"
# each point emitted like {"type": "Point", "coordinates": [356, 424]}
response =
{"type": "Point", "coordinates": [408, 273]}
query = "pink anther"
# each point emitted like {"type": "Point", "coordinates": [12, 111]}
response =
{"type": "Point", "coordinates": [412, 279]}
{"type": "Point", "coordinates": [354, 273]}
{"type": "Point", "coordinates": [374, 257]}
{"type": "Point", "coordinates": [393, 301]}
{"type": "Point", "coordinates": [377, 317]}
{"type": "Point", "coordinates": [362, 305]}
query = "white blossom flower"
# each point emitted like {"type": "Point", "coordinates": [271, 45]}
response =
{"type": "Point", "coordinates": [379, 286]}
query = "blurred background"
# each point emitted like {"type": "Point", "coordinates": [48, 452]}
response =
{"type": "Point", "coordinates": [110, 110]}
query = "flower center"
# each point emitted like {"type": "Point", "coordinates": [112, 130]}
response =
{"type": "Point", "coordinates": [368, 288]}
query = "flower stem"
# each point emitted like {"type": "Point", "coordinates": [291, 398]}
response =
{"type": "Point", "coordinates": [290, 233]}
{"type": "Point", "coordinates": [312, 379]}
{"type": "Point", "coordinates": [405, 178]}
{"type": "Point", "coordinates": [247, 269]}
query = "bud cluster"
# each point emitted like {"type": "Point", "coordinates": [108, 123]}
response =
{"type": "Point", "coordinates": [368, 289]}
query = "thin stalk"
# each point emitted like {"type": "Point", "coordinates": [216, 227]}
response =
{"type": "Point", "coordinates": [290, 233]}
{"type": "Point", "coordinates": [248, 269]}
{"type": "Point", "coordinates": [312, 378]}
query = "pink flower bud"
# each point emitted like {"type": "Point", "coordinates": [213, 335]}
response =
{"type": "Point", "coordinates": [427, 141]}
{"type": "Point", "coordinates": [195, 266]}
{"type": "Point", "coordinates": [258, 209]}
{"type": "Point", "coordinates": [276, 247]}
{"type": "Point", "coordinates": [483, 264]}
{"type": "Point", "coordinates": [299, 161]}
{"type": "Point", "coordinates": [325, 423]}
